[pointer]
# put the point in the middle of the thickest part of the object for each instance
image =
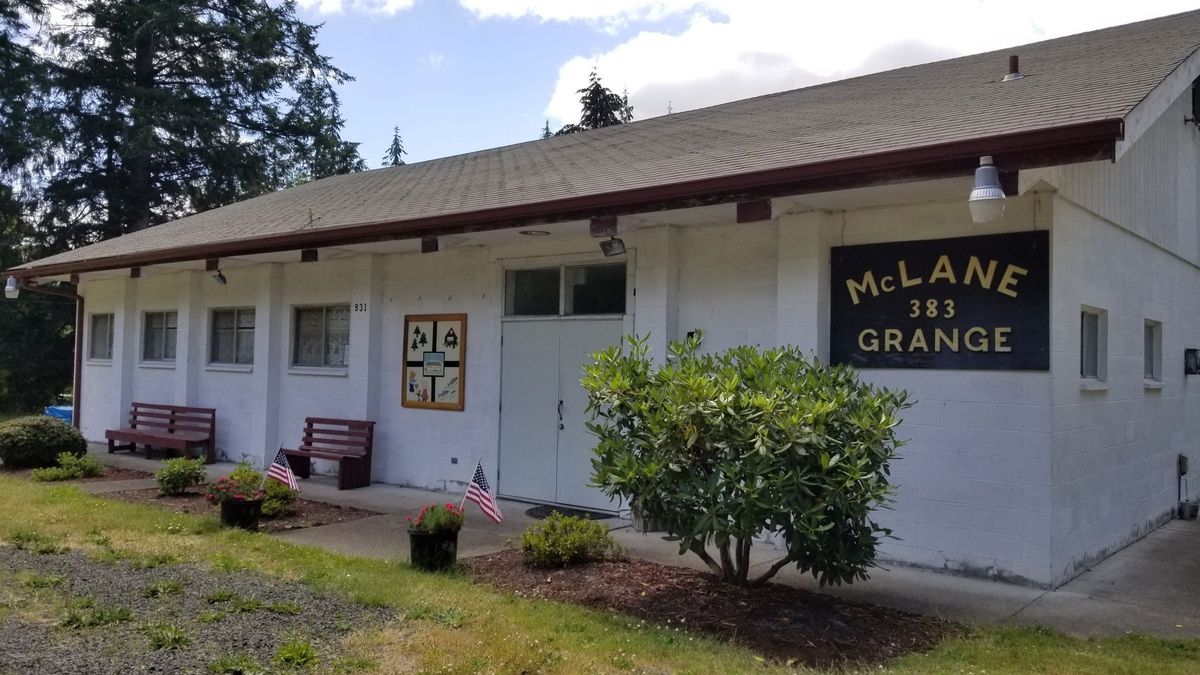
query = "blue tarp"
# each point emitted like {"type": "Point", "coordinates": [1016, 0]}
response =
{"type": "Point", "coordinates": [62, 412]}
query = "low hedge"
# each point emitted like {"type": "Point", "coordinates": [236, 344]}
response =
{"type": "Point", "coordinates": [37, 441]}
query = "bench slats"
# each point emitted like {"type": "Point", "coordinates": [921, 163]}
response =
{"type": "Point", "coordinates": [167, 426]}
{"type": "Point", "coordinates": [347, 442]}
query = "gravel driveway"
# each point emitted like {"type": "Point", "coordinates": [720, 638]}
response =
{"type": "Point", "coordinates": [219, 613]}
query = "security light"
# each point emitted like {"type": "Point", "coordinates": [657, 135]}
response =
{"type": "Point", "coordinates": [12, 288]}
{"type": "Point", "coordinates": [987, 199]}
{"type": "Point", "coordinates": [220, 278]}
{"type": "Point", "coordinates": [612, 246]}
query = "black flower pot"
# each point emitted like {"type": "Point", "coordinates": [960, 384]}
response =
{"type": "Point", "coordinates": [433, 551]}
{"type": "Point", "coordinates": [243, 513]}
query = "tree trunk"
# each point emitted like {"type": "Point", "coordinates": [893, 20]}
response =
{"type": "Point", "coordinates": [697, 547]}
{"type": "Point", "coordinates": [728, 570]}
{"type": "Point", "coordinates": [784, 562]}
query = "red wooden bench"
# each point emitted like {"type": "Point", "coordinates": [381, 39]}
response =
{"type": "Point", "coordinates": [176, 427]}
{"type": "Point", "coordinates": [347, 442]}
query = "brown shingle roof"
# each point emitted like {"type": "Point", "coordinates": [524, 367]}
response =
{"type": "Point", "coordinates": [1085, 78]}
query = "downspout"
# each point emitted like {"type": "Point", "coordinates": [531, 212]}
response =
{"type": "Point", "coordinates": [77, 382]}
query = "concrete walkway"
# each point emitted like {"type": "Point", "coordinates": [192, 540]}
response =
{"type": "Point", "coordinates": [1152, 586]}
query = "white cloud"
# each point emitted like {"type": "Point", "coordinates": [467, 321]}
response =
{"type": "Point", "coordinates": [733, 49]}
{"type": "Point", "coordinates": [434, 59]}
{"type": "Point", "coordinates": [367, 6]}
{"type": "Point", "coordinates": [580, 10]}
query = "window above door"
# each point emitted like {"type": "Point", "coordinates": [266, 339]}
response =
{"type": "Point", "coordinates": [566, 290]}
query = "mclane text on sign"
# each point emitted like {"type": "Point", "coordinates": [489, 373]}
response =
{"type": "Point", "coordinates": [965, 303]}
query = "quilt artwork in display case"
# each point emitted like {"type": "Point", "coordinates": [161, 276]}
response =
{"type": "Point", "coordinates": [435, 361]}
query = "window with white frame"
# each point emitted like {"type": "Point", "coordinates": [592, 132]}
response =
{"type": "Point", "coordinates": [232, 340]}
{"type": "Point", "coordinates": [100, 337]}
{"type": "Point", "coordinates": [158, 336]}
{"type": "Point", "coordinates": [1152, 350]}
{"type": "Point", "coordinates": [322, 336]}
{"type": "Point", "coordinates": [1093, 344]}
{"type": "Point", "coordinates": [569, 290]}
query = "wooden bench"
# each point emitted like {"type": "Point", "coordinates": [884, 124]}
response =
{"type": "Point", "coordinates": [175, 427]}
{"type": "Point", "coordinates": [347, 442]}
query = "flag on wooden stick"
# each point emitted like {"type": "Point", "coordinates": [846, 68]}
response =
{"type": "Point", "coordinates": [281, 470]}
{"type": "Point", "coordinates": [479, 492]}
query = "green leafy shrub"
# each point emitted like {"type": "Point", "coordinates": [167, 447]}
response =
{"type": "Point", "coordinates": [70, 467]}
{"type": "Point", "coordinates": [37, 441]}
{"type": "Point", "coordinates": [277, 499]}
{"type": "Point", "coordinates": [720, 448]}
{"type": "Point", "coordinates": [166, 636]}
{"type": "Point", "coordinates": [296, 653]}
{"type": "Point", "coordinates": [179, 474]}
{"type": "Point", "coordinates": [559, 541]}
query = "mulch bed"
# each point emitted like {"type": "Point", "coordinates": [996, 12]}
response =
{"type": "Point", "coordinates": [110, 473]}
{"type": "Point", "coordinates": [781, 623]}
{"type": "Point", "coordinates": [305, 513]}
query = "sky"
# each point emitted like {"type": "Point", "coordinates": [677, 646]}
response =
{"type": "Point", "coordinates": [463, 75]}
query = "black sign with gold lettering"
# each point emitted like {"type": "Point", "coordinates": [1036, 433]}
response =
{"type": "Point", "coordinates": [968, 303]}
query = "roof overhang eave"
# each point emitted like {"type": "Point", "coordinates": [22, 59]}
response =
{"type": "Point", "coordinates": [1025, 150]}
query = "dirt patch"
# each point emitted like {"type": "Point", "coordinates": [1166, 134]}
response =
{"type": "Point", "coordinates": [52, 602]}
{"type": "Point", "coordinates": [781, 623]}
{"type": "Point", "coordinates": [305, 513]}
{"type": "Point", "coordinates": [110, 473]}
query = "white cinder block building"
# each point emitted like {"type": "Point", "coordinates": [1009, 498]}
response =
{"type": "Point", "coordinates": [1045, 349]}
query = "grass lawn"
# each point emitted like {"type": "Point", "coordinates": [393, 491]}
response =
{"type": "Point", "coordinates": [452, 625]}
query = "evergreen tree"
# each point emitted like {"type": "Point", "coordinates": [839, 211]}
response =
{"type": "Point", "coordinates": [601, 107]}
{"type": "Point", "coordinates": [20, 77]}
{"type": "Point", "coordinates": [395, 152]}
{"type": "Point", "coordinates": [170, 107]}
{"type": "Point", "coordinates": [546, 133]}
{"type": "Point", "coordinates": [36, 336]}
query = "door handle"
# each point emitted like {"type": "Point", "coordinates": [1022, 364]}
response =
{"type": "Point", "coordinates": [560, 417]}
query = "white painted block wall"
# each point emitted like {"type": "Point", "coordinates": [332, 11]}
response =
{"type": "Point", "coordinates": [1009, 475]}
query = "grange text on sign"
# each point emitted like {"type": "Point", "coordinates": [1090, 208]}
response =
{"type": "Point", "coordinates": [965, 303]}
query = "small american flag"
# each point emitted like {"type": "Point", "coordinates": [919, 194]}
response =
{"type": "Point", "coordinates": [479, 492]}
{"type": "Point", "coordinates": [281, 471]}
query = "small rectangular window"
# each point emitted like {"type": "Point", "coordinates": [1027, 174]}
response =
{"type": "Point", "coordinates": [1092, 354]}
{"type": "Point", "coordinates": [532, 292]}
{"type": "Point", "coordinates": [158, 336]}
{"type": "Point", "coordinates": [322, 336]}
{"type": "Point", "coordinates": [232, 337]}
{"type": "Point", "coordinates": [100, 339]}
{"type": "Point", "coordinates": [1152, 351]}
{"type": "Point", "coordinates": [595, 289]}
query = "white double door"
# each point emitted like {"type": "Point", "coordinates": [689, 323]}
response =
{"type": "Point", "coordinates": [545, 447]}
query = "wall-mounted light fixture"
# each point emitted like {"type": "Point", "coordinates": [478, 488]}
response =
{"type": "Point", "coordinates": [987, 199]}
{"type": "Point", "coordinates": [612, 246]}
{"type": "Point", "coordinates": [12, 288]}
{"type": "Point", "coordinates": [220, 278]}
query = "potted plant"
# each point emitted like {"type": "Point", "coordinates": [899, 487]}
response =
{"type": "Point", "coordinates": [433, 536]}
{"type": "Point", "coordinates": [240, 496]}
